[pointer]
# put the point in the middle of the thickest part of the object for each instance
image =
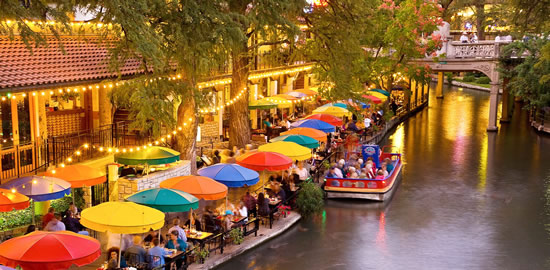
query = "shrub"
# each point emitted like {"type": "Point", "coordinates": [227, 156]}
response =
{"type": "Point", "coordinates": [483, 80]}
{"type": "Point", "coordinates": [469, 78]}
{"type": "Point", "coordinates": [310, 200]}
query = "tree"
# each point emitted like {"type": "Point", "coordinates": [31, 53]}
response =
{"type": "Point", "coordinates": [358, 42]}
{"type": "Point", "coordinates": [260, 23]}
{"type": "Point", "coordinates": [310, 200]}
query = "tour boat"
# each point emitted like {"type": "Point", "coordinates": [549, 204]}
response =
{"type": "Point", "coordinates": [370, 189]}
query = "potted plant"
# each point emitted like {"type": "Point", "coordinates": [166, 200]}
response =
{"type": "Point", "coordinates": [237, 236]}
{"type": "Point", "coordinates": [202, 253]}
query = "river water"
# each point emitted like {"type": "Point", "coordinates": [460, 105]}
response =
{"type": "Point", "coordinates": [468, 200]}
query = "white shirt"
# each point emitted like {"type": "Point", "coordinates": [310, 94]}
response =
{"type": "Point", "coordinates": [338, 173]}
{"type": "Point", "coordinates": [367, 121]}
{"type": "Point", "coordinates": [181, 232]}
{"type": "Point", "coordinates": [463, 38]}
{"type": "Point", "coordinates": [243, 212]}
{"type": "Point", "coordinates": [303, 173]}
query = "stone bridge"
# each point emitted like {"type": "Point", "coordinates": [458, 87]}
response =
{"type": "Point", "coordinates": [481, 56]}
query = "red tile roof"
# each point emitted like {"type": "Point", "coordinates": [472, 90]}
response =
{"type": "Point", "coordinates": [83, 60]}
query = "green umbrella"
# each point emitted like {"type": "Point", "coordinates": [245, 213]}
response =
{"type": "Point", "coordinates": [165, 199]}
{"type": "Point", "coordinates": [261, 104]}
{"type": "Point", "coordinates": [154, 155]}
{"type": "Point", "coordinates": [302, 140]}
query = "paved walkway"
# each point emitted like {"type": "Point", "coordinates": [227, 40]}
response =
{"type": "Point", "coordinates": [251, 241]}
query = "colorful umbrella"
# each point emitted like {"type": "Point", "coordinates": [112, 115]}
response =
{"type": "Point", "coordinates": [286, 96]}
{"type": "Point", "coordinates": [154, 155]}
{"type": "Point", "coordinates": [297, 94]}
{"type": "Point", "coordinates": [199, 186]}
{"type": "Point", "coordinates": [289, 149]}
{"type": "Point", "coordinates": [261, 104]}
{"type": "Point", "coordinates": [338, 104]}
{"type": "Point", "coordinates": [231, 175]}
{"type": "Point", "coordinates": [384, 92]}
{"type": "Point", "coordinates": [316, 124]}
{"type": "Point", "coordinates": [378, 95]}
{"type": "Point", "coordinates": [122, 217]}
{"type": "Point", "coordinates": [12, 200]}
{"type": "Point", "coordinates": [260, 161]}
{"type": "Point", "coordinates": [307, 92]}
{"type": "Point", "coordinates": [165, 200]}
{"type": "Point", "coordinates": [40, 188]}
{"type": "Point", "coordinates": [302, 140]}
{"type": "Point", "coordinates": [79, 175]}
{"type": "Point", "coordinates": [333, 120]}
{"type": "Point", "coordinates": [310, 132]}
{"type": "Point", "coordinates": [333, 110]}
{"type": "Point", "coordinates": [374, 99]}
{"type": "Point", "coordinates": [41, 250]}
{"type": "Point", "coordinates": [281, 102]}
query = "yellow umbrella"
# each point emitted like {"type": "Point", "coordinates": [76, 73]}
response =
{"type": "Point", "coordinates": [122, 217]}
{"type": "Point", "coordinates": [378, 95]}
{"type": "Point", "coordinates": [289, 149]}
{"type": "Point", "coordinates": [280, 101]}
{"type": "Point", "coordinates": [333, 110]}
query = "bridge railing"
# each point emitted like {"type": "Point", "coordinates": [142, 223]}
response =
{"type": "Point", "coordinates": [481, 49]}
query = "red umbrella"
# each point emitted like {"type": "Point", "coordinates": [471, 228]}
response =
{"type": "Point", "coordinates": [331, 119]}
{"type": "Point", "coordinates": [259, 161]}
{"type": "Point", "coordinates": [49, 250]}
{"type": "Point", "coordinates": [10, 200]}
{"type": "Point", "coordinates": [373, 99]}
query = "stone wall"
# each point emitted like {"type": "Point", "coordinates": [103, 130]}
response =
{"type": "Point", "coordinates": [130, 186]}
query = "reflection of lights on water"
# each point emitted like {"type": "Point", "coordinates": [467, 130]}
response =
{"type": "Point", "coordinates": [398, 137]}
{"type": "Point", "coordinates": [482, 171]}
{"type": "Point", "coordinates": [381, 235]}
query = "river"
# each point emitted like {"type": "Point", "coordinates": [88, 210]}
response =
{"type": "Point", "coordinates": [468, 199]}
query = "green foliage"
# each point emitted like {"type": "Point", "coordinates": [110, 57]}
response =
{"type": "Point", "coordinates": [483, 80]}
{"type": "Point", "coordinates": [469, 78]}
{"type": "Point", "coordinates": [529, 77]}
{"type": "Point", "coordinates": [14, 219]}
{"type": "Point", "coordinates": [310, 200]}
{"type": "Point", "coordinates": [365, 41]}
{"type": "Point", "coordinates": [202, 253]}
{"type": "Point", "coordinates": [237, 236]}
{"type": "Point", "coordinates": [449, 76]}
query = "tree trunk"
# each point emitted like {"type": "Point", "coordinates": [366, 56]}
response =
{"type": "Point", "coordinates": [480, 19]}
{"type": "Point", "coordinates": [186, 139]}
{"type": "Point", "coordinates": [239, 124]}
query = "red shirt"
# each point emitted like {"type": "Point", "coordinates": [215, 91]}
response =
{"type": "Point", "coordinates": [47, 218]}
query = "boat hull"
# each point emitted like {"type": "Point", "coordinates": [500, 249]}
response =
{"type": "Point", "coordinates": [383, 191]}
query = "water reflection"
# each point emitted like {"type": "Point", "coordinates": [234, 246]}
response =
{"type": "Point", "coordinates": [468, 200]}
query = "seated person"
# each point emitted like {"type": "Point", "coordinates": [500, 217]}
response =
{"type": "Point", "coordinates": [176, 227]}
{"type": "Point", "coordinates": [389, 165]}
{"type": "Point", "coordinates": [331, 173]}
{"type": "Point", "coordinates": [152, 235]}
{"type": "Point", "coordinates": [380, 175]}
{"type": "Point", "coordinates": [242, 211]}
{"type": "Point", "coordinates": [228, 221]}
{"type": "Point", "coordinates": [352, 173]}
{"type": "Point", "coordinates": [72, 224]}
{"type": "Point", "coordinates": [263, 205]}
{"type": "Point", "coordinates": [210, 221]}
{"type": "Point", "coordinates": [155, 255]}
{"type": "Point", "coordinates": [112, 259]}
{"type": "Point", "coordinates": [175, 242]}
{"type": "Point", "coordinates": [194, 222]}
{"type": "Point", "coordinates": [55, 225]}
{"type": "Point", "coordinates": [136, 249]}
{"type": "Point", "coordinates": [384, 170]}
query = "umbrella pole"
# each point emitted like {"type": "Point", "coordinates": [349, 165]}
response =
{"type": "Point", "coordinates": [32, 213]}
{"type": "Point", "coordinates": [120, 251]}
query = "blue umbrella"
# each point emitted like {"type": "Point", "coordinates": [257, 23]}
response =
{"type": "Point", "coordinates": [363, 104]}
{"type": "Point", "coordinates": [40, 188]}
{"type": "Point", "coordinates": [316, 124]}
{"type": "Point", "coordinates": [231, 175]}
{"type": "Point", "coordinates": [338, 104]}
{"type": "Point", "coordinates": [297, 94]}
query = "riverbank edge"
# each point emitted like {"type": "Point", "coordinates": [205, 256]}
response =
{"type": "Point", "coordinates": [214, 262]}
{"type": "Point", "coordinates": [467, 85]}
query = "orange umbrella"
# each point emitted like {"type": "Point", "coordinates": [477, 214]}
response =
{"type": "Point", "coordinates": [199, 186]}
{"type": "Point", "coordinates": [10, 200]}
{"type": "Point", "coordinates": [310, 132]}
{"type": "Point", "coordinates": [79, 175]}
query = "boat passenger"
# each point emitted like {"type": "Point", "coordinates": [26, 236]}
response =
{"type": "Point", "coordinates": [371, 170]}
{"type": "Point", "coordinates": [352, 173]}
{"type": "Point", "coordinates": [384, 170]}
{"type": "Point", "coordinates": [332, 172]}
{"type": "Point", "coordinates": [380, 175]}
{"type": "Point", "coordinates": [389, 164]}
{"type": "Point", "coordinates": [337, 171]}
